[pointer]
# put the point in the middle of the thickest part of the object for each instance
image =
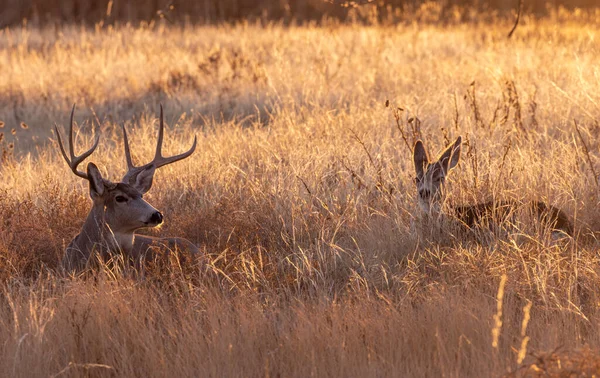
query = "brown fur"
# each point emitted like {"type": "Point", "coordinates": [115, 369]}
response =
{"type": "Point", "coordinates": [472, 215]}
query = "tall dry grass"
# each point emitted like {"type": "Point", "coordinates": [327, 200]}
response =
{"type": "Point", "coordinates": [301, 195]}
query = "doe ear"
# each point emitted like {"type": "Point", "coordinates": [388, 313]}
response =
{"type": "Point", "coordinates": [420, 157]}
{"type": "Point", "coordinates": [451, 156]}
{"type": "Point", "coordinates": [96, 181]}
{"type": "Point", "coordinates": [143, 180]}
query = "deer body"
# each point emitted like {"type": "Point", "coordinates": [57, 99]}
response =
{"type": "Point", "coordinates": [430, 182]}
{"type": "Point", "coordinates": [119, 210]}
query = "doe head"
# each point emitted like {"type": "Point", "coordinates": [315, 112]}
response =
{"type": "Point", "coordinates": [430, 176]}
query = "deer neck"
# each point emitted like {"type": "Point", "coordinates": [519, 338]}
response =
{"type": "Point", "coordinates": [96, 232]}
{"type": "Point", "coordinates": [435, 210]}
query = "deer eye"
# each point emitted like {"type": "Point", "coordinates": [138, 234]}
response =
{"type": "Point", "coordinates": [120, 199]}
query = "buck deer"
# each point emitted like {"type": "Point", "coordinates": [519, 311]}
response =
{"type": "Point", "coordinates": [118, 209]}
{"type": "Point", "coordinates": [430, 181]}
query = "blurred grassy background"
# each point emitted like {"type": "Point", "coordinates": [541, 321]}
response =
{"type": "Point", "coordinates": [111, 11]}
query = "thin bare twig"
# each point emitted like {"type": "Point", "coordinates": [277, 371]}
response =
{"type": "Point", "coordinates": [472, 155]}
{"type": "Point", "coordinates": [305, 185]}
{"type": "Point", "coordinates": [501, 168]}
{"type": "Point", "coordinates": [587, 153]}
{"type": "Point", "coordinates": [396, 113]}
{"type": "Point", "coordinates": [455, 112]}
{"type": "Point", "coordinates": [510, 33]}
{"type": "Point", "coordinates": [355, 136]}
{"type": "Point", "coordinates": [354, 175]}
{"type": "Point", "coordinates": [412, 125]}
{"type": "Point", "coordinates": [381, 183]}
{"type": "Point", "coordinates": [472, 98]}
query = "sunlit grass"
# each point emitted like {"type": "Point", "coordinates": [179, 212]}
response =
{"type": "Point", "coordinates": [301, 195]}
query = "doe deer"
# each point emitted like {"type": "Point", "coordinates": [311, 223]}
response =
{"type": "Point", "coordinates": [430, 182]}
{"type": "Point", "coordinates": [118, 209]}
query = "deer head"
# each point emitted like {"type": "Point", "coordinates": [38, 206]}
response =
{"type": "Point", "coordinates": [432, 175]}
{"type": "Point", "coordinates": [121, 206]}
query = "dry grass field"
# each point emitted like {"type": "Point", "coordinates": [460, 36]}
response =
{"type": "Point", "coordinates": [301, 197]}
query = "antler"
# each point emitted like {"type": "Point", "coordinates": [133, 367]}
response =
{"type": "Point", "coordinates": [158, 161]}
{"type": "Point", "coordinates": [74, 161]}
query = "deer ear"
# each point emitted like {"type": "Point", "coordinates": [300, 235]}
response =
{"type": "Point", "coordinates": [96, 181]}
{"type": "Point", "coordinates": [143, 180]}
{"type": "Point", "coordinates": [451, 156]}
{"type": "Point", "coordinates": [420, 158]}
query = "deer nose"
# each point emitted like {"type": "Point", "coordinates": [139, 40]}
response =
{"type": "Point", "coordinates": [156, 218]}
{"type": "Point", "coordinates": [424, 193]}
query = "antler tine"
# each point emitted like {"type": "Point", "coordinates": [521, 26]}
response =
{"type": "Point", "coordinates": [74, 160]}
{"type": "Point", "coordinates": [60, 144]}
{"type": "Point", "coordinates": [159, 160]}
{"type": "Point", "coordinates": [161, 131]}
{"type": "Point", "coordinates": [130, 165]}
{"type": "Point", "coordinates": [172, 159]}
{"type": "Point", "coordinates": [71, 149]}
